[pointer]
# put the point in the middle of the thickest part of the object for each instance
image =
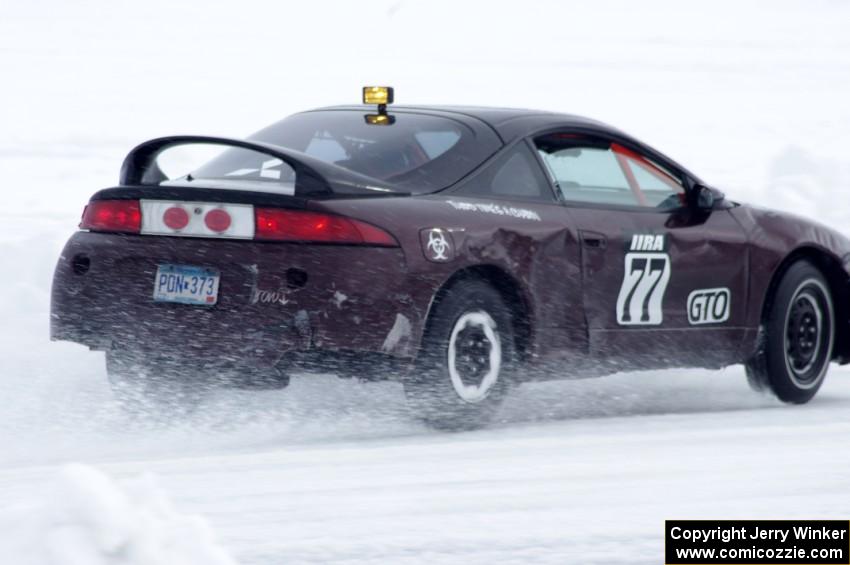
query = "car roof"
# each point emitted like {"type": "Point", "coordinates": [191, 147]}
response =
{"type": "Point", "coordinates": [508, 123]}
{"type": "Point", "coordinates": [512, 123]}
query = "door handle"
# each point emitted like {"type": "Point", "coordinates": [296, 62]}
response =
{"type": "Point", "coordinates": [593, 240]}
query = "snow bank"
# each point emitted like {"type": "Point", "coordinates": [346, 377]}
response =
{"type": "Point", "coordinates": [86, 518]}
{"type": "Point", "coordinates": [809, 185]}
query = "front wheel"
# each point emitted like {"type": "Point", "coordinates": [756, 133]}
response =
{"type": "Point", "coordinates": [799, 332]}
{"type": "Point", "coordinates": [468, 354]}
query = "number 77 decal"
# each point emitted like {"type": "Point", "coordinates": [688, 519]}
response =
{"type": "Point", "coordinates": [642, 292]}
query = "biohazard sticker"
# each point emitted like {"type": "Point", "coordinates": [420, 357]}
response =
{"type": "Point", "coordinates": [437, 245]}
{"type": "Point", "coordinates": [645, 278]}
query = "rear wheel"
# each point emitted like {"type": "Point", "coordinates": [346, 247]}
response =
{"type": "Point", "coordinates": [158, 387]}
{"type": "Point", "coordinates": [799, 331]}
{"type": "Point", "coordinates": [467, 358]}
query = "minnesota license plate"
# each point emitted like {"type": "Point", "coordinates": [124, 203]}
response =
{"type": "Point", "coordinates": [186, 285]}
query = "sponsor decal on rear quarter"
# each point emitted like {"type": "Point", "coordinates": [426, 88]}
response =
{"type": "Point", "coordinates": [495, 209]}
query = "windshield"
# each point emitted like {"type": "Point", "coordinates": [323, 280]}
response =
{"type": "Point", "coordinates": [418, 152]}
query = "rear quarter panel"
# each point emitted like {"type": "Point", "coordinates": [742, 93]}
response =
{"type": "Point", "coordinates": [535, 244]}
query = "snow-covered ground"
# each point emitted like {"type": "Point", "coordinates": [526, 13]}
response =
{"type": "Point", "coordinates": [752, 96]}
{"type": "Point", "coordinates": [85, 518]}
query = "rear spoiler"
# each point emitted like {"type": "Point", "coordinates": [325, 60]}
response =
{"type": "Point", "coordinates": [313, 177]}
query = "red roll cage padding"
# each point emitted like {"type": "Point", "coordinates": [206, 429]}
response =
{"type": "Point", "coordinates": [622, 160]}
{"type": "Point", "coordinates": [624, 155]}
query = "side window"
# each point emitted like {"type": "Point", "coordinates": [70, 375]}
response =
{"type": "Point", "coordinates": [658, 187]}
{"type": "Point", "coordinates": [597, 171]}
{"type": "Point", "coordinates": [514, 175]}
{"type": "Point", "coordinates": [589, 174]}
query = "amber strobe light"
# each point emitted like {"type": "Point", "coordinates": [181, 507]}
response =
{"type": "Point", "coordinates": [380, 95]}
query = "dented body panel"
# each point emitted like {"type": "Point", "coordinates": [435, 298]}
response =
{"type": "Point", "coordinates": [530, 245]}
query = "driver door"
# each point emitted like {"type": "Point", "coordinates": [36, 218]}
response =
{"type": "Point", "coordinates": [663, 283]}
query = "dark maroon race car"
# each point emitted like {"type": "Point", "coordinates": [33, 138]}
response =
{"type": "Point", "coordinates": [459, 250]}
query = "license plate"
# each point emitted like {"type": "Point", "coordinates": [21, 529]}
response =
{"type": "Point", "coordinates": [186, 285]}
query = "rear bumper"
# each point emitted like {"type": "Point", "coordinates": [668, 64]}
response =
{"type": "Point", "coordinates": [274, 298]}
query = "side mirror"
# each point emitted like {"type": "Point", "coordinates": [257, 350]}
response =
{"type": "Point", "coordinates": [705, 197]}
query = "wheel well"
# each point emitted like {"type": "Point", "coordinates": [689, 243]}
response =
{"type": "Point", "coordinates": [838, 280]}
{"type": "Point", "coordinates": [509, 289]}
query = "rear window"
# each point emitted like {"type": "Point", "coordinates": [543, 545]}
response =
{"type": "Point", "coordinates": [419, 153]}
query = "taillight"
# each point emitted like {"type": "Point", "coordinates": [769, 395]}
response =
{"type": "Point", "coordinates": [296, 225]}
{"type": "Point", "coordinates": [123, 216]}
{"type": "Point", "coordinates": [176, 218]}
{"type": "Point", "coordinates": [217, 220]}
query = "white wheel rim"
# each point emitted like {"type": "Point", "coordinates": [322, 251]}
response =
{"type": "Point", "coordinates": [475, 393]}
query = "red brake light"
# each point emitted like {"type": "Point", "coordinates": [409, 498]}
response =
{"type": "Point", "coordinates": [217, 220]}
{"type": "Point", "coordinates": [176, 218]}
{"type": "Point", "coordinates": [295, 225]}
{"type": "Point", "coordinates": [123, 216]}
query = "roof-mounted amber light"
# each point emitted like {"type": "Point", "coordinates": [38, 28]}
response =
{"type": "Point", "coordinates": [380, 95]}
